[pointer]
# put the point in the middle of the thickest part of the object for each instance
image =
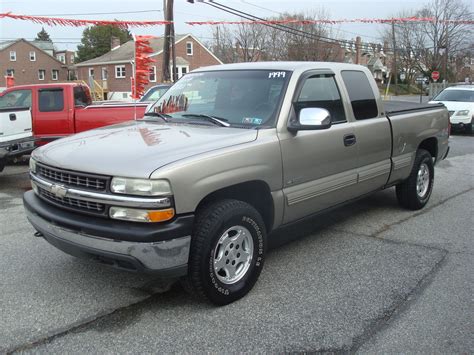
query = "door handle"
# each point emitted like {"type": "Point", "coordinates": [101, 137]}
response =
{"type": "Point", "coordinates": [349, 139]}
{"type": "Point", "coordinates": [12, 117]}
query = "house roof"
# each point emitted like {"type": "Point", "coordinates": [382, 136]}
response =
{"type": "Point", "coordinates": [43, 45]}
{"type": "Point", "coordinates": [126, 52]}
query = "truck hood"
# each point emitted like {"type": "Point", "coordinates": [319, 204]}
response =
{"type": "Point", "coordinates": [137, 148]}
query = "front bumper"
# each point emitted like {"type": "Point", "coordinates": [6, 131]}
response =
{"type": "Point", "coordinates": [166, 255]}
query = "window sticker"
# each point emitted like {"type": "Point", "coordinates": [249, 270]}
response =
{"type": "Point", "coordinates": [252, 120]}
{"type": "Point", "coordinates": [276, 74]}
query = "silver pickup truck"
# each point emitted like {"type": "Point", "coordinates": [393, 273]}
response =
{"type": "Point", "coordinates": [227, 156]}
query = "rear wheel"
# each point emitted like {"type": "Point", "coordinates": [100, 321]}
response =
{"type": "Point", "coordinates": [227, 251]}
{"type": "Point", "coordinates": [469, 128]}
{"type": "Point", "coordinates": [415, 191]}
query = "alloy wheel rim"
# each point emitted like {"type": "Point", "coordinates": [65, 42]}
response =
{"type": "Point", "coordinates": [423, 180]}
{"type": "Point", "coordinates": [233, 254]}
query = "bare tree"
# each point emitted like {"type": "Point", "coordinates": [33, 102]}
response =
{"type": "Point", "coordinates": [444, 35]}
{"type": "Point", "coordinates": [300, 41]}
{"type": "Point", "coordinates": [423, 47]}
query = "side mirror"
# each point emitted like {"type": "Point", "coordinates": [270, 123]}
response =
{"type": "Point", "coordinates": [311, 118]}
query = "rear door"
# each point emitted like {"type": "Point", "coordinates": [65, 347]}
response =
{"type": "Point", "coordinates": [372, 132]}
{"type": "Point", "coordinates": [53, 116]}
{"type": "Point", "coordinates": [15, 115]}
{"type": "Point", "coordinates": [320, 166]}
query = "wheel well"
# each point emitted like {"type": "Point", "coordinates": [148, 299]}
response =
{"type": "Point", "coordinates": [256, 193]}
{"type": "Point", "coordinates": [431, 145]}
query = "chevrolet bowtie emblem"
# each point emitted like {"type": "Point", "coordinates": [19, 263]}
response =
{"type": "Point", "coordinates": [59, 190]}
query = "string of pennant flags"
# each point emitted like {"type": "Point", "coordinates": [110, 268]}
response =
{"type": "Point", "coordinates": [57, 21]}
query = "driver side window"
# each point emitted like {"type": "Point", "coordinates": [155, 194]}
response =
{"type": "Point", "coordinates": [321, 91]}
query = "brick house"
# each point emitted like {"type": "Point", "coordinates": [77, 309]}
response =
{"type": "Point", "coordinates": [113, 70]}
{"type": "Point", "coordinates": [68, 58]}
{"type": "Point", "coordinates": [30, 62]}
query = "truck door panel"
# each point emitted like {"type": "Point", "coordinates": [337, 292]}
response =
{"type": "Point", "coordinates": [372, 131]}
{"type": "Point", "coordinates": [52, 118]}
{"type": "Point", "coordinates": [374, 139]}
{"type": "Point", "coordinates": [319, 169]}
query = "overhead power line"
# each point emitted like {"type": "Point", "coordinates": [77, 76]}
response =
{"type": "Point", "coordinates": [280, 27]}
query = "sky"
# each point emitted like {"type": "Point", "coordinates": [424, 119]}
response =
{"type": "Point", "coordinates": [69, 37]}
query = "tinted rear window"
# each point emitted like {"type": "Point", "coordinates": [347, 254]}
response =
{"type": "Point", "coordinates": [360, 93]}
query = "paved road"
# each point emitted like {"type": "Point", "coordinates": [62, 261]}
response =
{"type": "Point", "coordinates": [369, 277]}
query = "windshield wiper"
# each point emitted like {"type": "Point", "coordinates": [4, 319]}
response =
{"type": "Point", "coordinates": [163, 116]}
{"type": "Point", "coordinates": [216, 120]}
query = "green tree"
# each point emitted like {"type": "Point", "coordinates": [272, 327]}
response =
{"type": "Point", "coordinates": [96, 41]}
{"type": "Point", "coordinates": [43, 36]}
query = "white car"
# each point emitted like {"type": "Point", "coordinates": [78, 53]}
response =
{"type": "Point", "coordinates": [459, 100]}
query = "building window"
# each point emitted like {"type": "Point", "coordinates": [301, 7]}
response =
{"type": "Point", "coordinates": [55, 74]}
{"type": "Point", "coordinates": [180, 71]}
{"type": "Point", "coordinates": [61, 58]}
{"type": "Point", "coordinates": [32, 56]}
{"type": "Point", "coordinates": [72, 58]}
{"type": "Point", "coordinates": [91, 72]}
{"type": "Point", "coordinates": [153, 74]}
{"type": "Point", "coordinates": [104, 74]}
{"type": "Point", "coordinates": [120, 71]}
{"type": "Point", "coordinates": [41, 74]}
{"type": "Point", "coordinates": [10, 72]}
{"type": "Point", "coordinates": [189, 48]}
{"type": "Point", "coordinates": [12, 56]}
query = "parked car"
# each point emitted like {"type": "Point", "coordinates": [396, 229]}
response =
{"type": "Point", "coordinates": [228, 155]}
{"type": "Point", "coordinates": [155, 92]}
{"type": "Point", "coordinates": [59, 110]}
{"type": "Point", "coordinates": [459, 101]}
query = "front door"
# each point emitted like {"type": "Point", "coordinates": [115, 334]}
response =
{"type": "Point", "coordinates": [320, 166]}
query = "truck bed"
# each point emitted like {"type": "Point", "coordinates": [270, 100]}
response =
{"type": "Point", "coordinates": [393, 108]}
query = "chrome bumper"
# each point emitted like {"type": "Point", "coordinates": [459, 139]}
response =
{"type": "Point", "coordinates": [168, 257]}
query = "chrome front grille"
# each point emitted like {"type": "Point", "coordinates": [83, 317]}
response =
{"type": "Point", "coordinates": [85, 206]}
{"type": "Point", "coordinates": [73, 179]}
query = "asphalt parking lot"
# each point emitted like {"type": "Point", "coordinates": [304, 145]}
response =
{"type": "Point", "coordinates": [370, 277]}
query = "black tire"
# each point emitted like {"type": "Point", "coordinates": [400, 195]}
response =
{"type": "Point", "coordinates": [211, 224]}
{"type": "Point", "coordinates": [407, 193]}
{"type": "Point", "coordinates": [469, 128]}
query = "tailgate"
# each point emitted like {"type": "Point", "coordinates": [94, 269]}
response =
{"type": "Point", "coordinates": [15, 123]}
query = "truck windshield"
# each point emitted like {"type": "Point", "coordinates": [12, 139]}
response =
{"type": "Point", "coordinates": [456, 95]}
{"type": "Point", "coordinates": [249, 98]}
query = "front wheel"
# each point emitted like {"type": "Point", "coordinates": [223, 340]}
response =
{"type": "Point", "coordinates": [227, 251]}
{"type": "Point", "coordinates": [415, 191]}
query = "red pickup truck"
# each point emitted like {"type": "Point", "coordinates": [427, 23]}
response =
{"type": "Point", "coordinates": [59, 110]}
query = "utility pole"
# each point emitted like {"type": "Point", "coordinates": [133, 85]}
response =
{"type": "Point", "coordinates": [395, 70]}
{"type": "Point", "coordinates": [174, 75]}
{"type": "Point", "coordinates": [165, 70]}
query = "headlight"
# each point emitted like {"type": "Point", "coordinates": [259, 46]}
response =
{"type": "Point", "coordinates": [462, 113]}
{"type": "Point", "coordinates": [142, 187]}
{"type": "Point", "coordinates": [136, 215]}
{"type": "Point", "coordinates": [32, 165]}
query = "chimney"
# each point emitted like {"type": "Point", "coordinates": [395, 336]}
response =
{"type": "Point", "coordinates": [358, 44]}
{"type": "Point", "coordinates": [114, 42]}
